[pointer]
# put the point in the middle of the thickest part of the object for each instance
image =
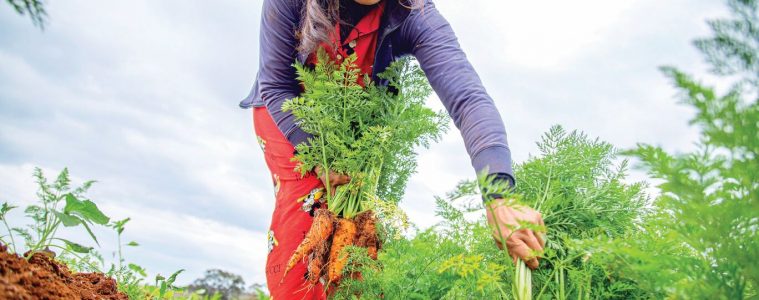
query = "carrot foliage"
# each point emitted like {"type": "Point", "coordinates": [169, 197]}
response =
{"type": "Point", "coordinates": [367, 133]}
{"type": "Point", "coordinates": [703, 240]}
{"type": "Point", "coordinates": [580, 186]}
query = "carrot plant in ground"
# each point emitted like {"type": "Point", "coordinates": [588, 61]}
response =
{"type": "Point", "coordinates": [579, 187]}
{"type": "Point", "coordinates": [59, 205]}
{"type": "Point", "coordinates": [368, 133]}
{"type": "Point", "coordinates": [132, 279]}
{"type": "Point", "coordinates": [703, 240]}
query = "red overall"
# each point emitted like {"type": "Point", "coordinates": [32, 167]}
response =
{"type": "Point", "coordinates": [296, 196]}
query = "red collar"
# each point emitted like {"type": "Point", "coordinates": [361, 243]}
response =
{"type": "Point", "coordinates": [367, 25]}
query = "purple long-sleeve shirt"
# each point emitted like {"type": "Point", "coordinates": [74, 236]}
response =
{"type": "Point", "coordinates": [423, 33]}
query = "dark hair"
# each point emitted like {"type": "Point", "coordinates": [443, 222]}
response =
{"type": "Point", "coordinates": [318, 19]}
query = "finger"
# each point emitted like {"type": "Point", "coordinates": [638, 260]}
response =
{"type": "Point", "coordinates": [343, 179]}
{"type": "Point", "coordinates": [533, 263]}
{"type": "Point", "coordinates": [532, 241]}
{"type": "Point", "coordinates": [520, 249]}
{"type": "Point", "coordinates": [340, 179]}
{"type": "Point", "coordinates": [541, 239]}
{"type": "Point", "coordinates": [498, 242]}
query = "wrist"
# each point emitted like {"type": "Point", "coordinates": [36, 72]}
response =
{"type": "Point", "coordinates": [498, 186]}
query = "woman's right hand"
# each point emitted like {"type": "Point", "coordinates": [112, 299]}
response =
{"type": "Point", "coordinates": [522, 244]}
{"type": "Point", "coordinates": [335, 179]}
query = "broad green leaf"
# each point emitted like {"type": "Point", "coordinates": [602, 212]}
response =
{"type": "Point", "coordinates": [164, 287]}
{"type": "Point", "coordinates": [77, 247]}
{"type": "Point", "coordinates": [173, 277]}
{"type": "Point", "coordinates": [133, 244]}
{"type": "Point", "coordinates": [85, 209]}
{"type": "Point", "coordinates": [90, 232]}
{"type": "Point", "coordinates": [138, 269]}
{"type": "Point", "coordinates": [67, 220]}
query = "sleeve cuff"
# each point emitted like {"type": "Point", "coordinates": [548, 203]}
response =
{"type": "Point", "coordinates": [496, 159]}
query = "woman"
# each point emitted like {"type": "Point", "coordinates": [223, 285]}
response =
{"type": "Point", "coordinates": [376, 31]}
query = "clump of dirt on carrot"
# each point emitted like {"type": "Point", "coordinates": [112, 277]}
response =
{"type": "Point", "coordinates": [320, 230]}
{"type": "Point", "coordinates": [317, 262]}
{"type": "Point", "coordinates": [367, 233]}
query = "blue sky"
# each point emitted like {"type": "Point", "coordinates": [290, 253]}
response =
{"type": "Point", "coordinates": [142, 96]}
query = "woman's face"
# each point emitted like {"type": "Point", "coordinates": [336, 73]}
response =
{"type": "Point", "coordinates": [367, 2]}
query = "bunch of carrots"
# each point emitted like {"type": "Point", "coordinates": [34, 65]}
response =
{"type": "Point", "coordinates": [326, 240]}
{"type": "Point", "coordinates": [368, 133]}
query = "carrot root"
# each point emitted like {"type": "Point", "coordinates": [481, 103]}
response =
{"type": "Point", "coordinates": [344, 236]}
{"type": "Point", "coordinates": [320, 231]}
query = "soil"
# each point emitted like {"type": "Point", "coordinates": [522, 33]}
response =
{"type": "Point", "coordinates": [367, 232]}
{"type": "Point", "coordinates": [44, 278]}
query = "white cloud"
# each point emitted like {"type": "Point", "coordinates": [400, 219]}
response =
{"type": "Point", "coordinates": [545, 35]}
{"type": "Point", "coordinates": [192, 243]}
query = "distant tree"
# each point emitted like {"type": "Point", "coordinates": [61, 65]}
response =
{"type": "Point", "coordinates": [34, 8]}
{"type": "Point", "coordinates": [228, 285]}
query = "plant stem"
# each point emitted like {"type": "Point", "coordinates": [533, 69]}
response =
{"type": "Point", "coordinates": [64, 250]}
{"type": "Point", "coordinates": [523, 282]}
{"type": "Point", "coordinates": [545, 191]}
{"type": "Point", "coordinates": [43, 239]}
{"type": "Point", "coordinates": [562, 292]}
{"type": "Point", "coordinates": [325, 167]}
{"type": "Point", "coordinates": [13, 242]}
{"type": "Point", "coordinates": [121, 258]}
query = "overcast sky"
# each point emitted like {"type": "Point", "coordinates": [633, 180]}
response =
{"type": "Point", "coordinates": [142, 96]}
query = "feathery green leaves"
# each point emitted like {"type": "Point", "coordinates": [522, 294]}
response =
{"type": "Point", "coordinates": [367, 133]}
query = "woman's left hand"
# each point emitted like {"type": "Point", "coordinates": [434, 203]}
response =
{"type": "Point", "coordinates": [334, 179]}
{"type": "Point", "coordinates": [523, 243]}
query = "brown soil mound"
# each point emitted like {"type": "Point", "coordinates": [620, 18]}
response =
{"type": "Point", "coordinates": [43, 278]}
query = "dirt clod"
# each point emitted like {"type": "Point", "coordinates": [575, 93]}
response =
{"type": "Point", "coordinates": [44, 278]}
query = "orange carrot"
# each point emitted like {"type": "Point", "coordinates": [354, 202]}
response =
{"type": "Point", "coordinates": [367, 236]}
{"type": "Point", "coordinates": [320, 230]}
{"type": "Point", "coordinates": [317, 262]}
{"type": "Point", "coordinates": [345, 233]}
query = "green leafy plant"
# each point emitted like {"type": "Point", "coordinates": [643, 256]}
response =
{"type": "Point", "coordinates": [367, 133]}
{"type": "Point", "coordinates": [704, 232]}
{"type": "Point", "coordinates": [59, 204]}
{"type": "Point", "coordinates": [131, 277]}
{"type": "Point", "coordinates": [581, 194]}
{"type": "Point", "coordinates": [579, 186]}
